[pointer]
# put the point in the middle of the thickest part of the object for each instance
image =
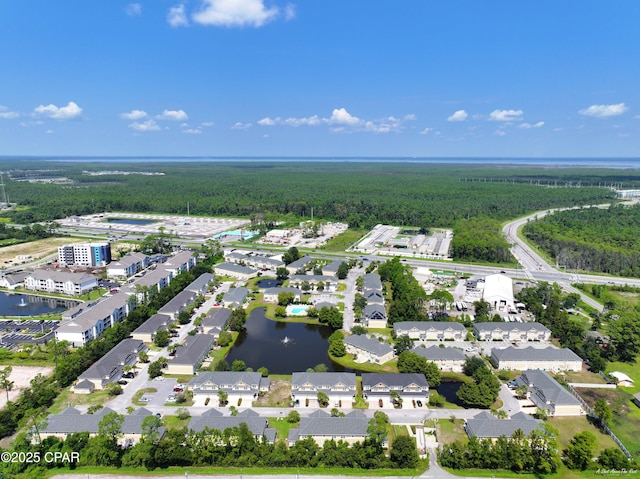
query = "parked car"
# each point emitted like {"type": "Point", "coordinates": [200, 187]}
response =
{"type": "Point", "coordinates": [128, 375]}
{"type": "Point", "coordinates": [419, 403]}
{"type": "Point", "coordinates": [144, 399]}
{"type": "Point", "coordinates": [122, 382]}
{"type": "Point", "coordinates": [380, 403]}
{"type": "Point", "coordinates": [178, 389]}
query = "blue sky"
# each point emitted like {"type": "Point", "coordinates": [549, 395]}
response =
{"type": "Point", "coordinates": [320, 78]}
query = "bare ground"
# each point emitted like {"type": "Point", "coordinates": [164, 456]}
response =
{"type": "Point", "coordinates": [21, 377]}
{"type": "Point", "coordinates": [279, 394]}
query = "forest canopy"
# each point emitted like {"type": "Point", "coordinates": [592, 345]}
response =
{"type": "Point", "coordinates": [359, 193]}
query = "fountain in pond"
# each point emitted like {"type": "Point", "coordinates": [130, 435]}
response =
{"type": "Point", "coordinates": [22, 302]}
{"type": "Point", "coordinates": [287, 340]}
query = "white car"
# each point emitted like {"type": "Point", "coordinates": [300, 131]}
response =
{"type": "Point", "coordinates": [159, 378]}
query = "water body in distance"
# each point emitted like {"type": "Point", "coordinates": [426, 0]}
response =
{"type": "Point", "coordinates": [263, 344]}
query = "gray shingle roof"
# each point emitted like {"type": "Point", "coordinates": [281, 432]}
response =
{"type": "Point", "coordinates": [193, 350]}
{"type": "Point", "coordinates": [200, 284]}
{"type": "Point", "coordinates": [109, 367]}
{"type": "Point", "coordinates": [372, 281]}
{"type": "Point", "coordinates": [71, 420]}
{"type": "Point", "coordinates": [483, 426]}
{"type": "Point", "coordinates": [535, 354]}
{"type": "Point", "coordinates": [222, 268]}
{"type": "Point", "coordinates": [236, 296]}
{"type": "Point", "coordinates": [326, 426]}
{"type": "Point", "coordinates": [154, 324]}
{"type": "Point", "coordinates": [435, 353]}
{"type": "Point", "coordinates": [545, 390]}
{"type": "Point", "coordinates": [257, 425]}
{"type": "Point", "coordinates": [217, 318]}
{"type": "Point", "coordinates": [368, 344]}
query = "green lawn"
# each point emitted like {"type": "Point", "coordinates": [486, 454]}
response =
{"type": "Point", "coordinates": [348, 362]}
{"type": "Point", "coordinates": [568, 427]}
{"type": "Point", "coordinates": [67, 398]}
{"type": "Point", "coordinates": [282, 426]}
{"type": "Point", "coordinates": [344, 240]}
{"type": "Point", "coordinates": [174, 422]}
{"type": "Point", "coordinates": [448, 431]}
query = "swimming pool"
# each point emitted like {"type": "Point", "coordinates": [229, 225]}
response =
{"type": "Point", "coordinates": [239, 233]}
{"type": "Point", "coordinates": [297, 310]}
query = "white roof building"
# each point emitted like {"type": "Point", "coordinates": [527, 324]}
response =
{"type": "Point", "coordinates": [498, 292]}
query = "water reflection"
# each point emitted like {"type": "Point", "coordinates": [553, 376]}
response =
{"type": "Point", "coordinates": [261, 345]}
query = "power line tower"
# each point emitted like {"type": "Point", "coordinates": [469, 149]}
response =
{"type": "Point", "coordinates": [3, 192]}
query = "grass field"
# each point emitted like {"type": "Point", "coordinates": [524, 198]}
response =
{"type": "Point", "coordinates": [37, 249]}
{"type": "Point", "coordinates": [568, 427]}
{"type": "Point", "coordinates": [344, 240]}
{"type": "Point", "coordinates": [449, 431]}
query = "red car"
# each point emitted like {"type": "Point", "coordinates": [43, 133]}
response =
{"type": "Point", "coordinates": [178, 389]}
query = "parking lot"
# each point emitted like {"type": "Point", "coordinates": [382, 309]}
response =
{"type": "Point", "coordinates": [164, 390]}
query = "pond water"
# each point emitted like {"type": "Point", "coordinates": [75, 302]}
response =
{"type": "Point", "coordinates": [130, 221]}
{"type": "Point", "coordinates": [281, 347]}
{"type": "Point", "coordinates": [30, 305]}
{"type": "Point", "coordinates": [268, 283]}
{"type": "Point", "coordinates": [448, 391]}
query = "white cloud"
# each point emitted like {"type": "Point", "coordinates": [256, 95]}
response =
{"type": "Point", "coordinates": [49, 132]}
{"type": "Point", "coordinates": [426, 131]}
{"type": "Point", "coordinates": [314, 120]}
{"type": "Point", "coordinates": [604, 111]}
{"type": "Point", "coordinates": [134, 115]}
{"type": "Point", "coordinates": [459, 115]}
{"type": "Point", "coordinates": [28, 124]}
{"type": "Point", "coordinates": [289, 12]}
{"type": "Point", "coordinates": [268, 121]}
{"type": "Point", "coordinates": [506, 115]}
{"type": "Point", "coordinates": [235, 13]}
{"type": "Point", "coordinates": [341, 116]}
{"type": "Point", "coordinates": [72, 110]}
{"type": "Point", "coordinates": [500, 133]}
{"type": "Point", "coordinates": [240, 126]}
{"type": "Point", "coordinates": [206, 123]}
{"type": "Point", "coordinates": [192, 131]}
{"type": "Point", "coordinates": [340, 119]}
{"type": "Point", "coordinates": [7, 114]}
{"type": "Point", "coordinates": [177, 17]}
{"type": "Point", "coordinates": [174, 115]}
{"type": "Point", "coordinates": [133, 9]}
{"type": "Point", "coordinates": [149, 125]}
{"type": "Point", "coordinates": [540, 124]}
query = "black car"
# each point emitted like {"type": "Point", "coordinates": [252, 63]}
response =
{"type": "Point", "coordinates": [419, 403]}
{"type": "Point", "coordinates": [122, 382]}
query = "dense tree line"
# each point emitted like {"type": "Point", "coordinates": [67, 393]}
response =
{"type": "Point", "coordinates": [591, 239]}
{"type": "Point", "coordinates": [479, 239]}
{"type": "Point", "coordinates": [536, 453]}
{"type": "Point", "coordinates": [235, 447]}
{"type": "Point", "coordinates": [358, 193]}
{"type": "Point", "coordinates": [408, 297]}
{"type": "Point", "coordinates": [28, 232]}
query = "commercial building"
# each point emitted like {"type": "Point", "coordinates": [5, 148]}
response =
{"type": "Point", "coordinates": [86, 254]}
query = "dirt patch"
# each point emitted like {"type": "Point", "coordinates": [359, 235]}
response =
{"type": "Point", "coordinates": [35, 249]}
{"type": "Point", "coordinates": [21, 377]}
{"type": "Point", "coordinates": [279, 394]}
{"type": "Point", "coordinates": [619, 401]}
